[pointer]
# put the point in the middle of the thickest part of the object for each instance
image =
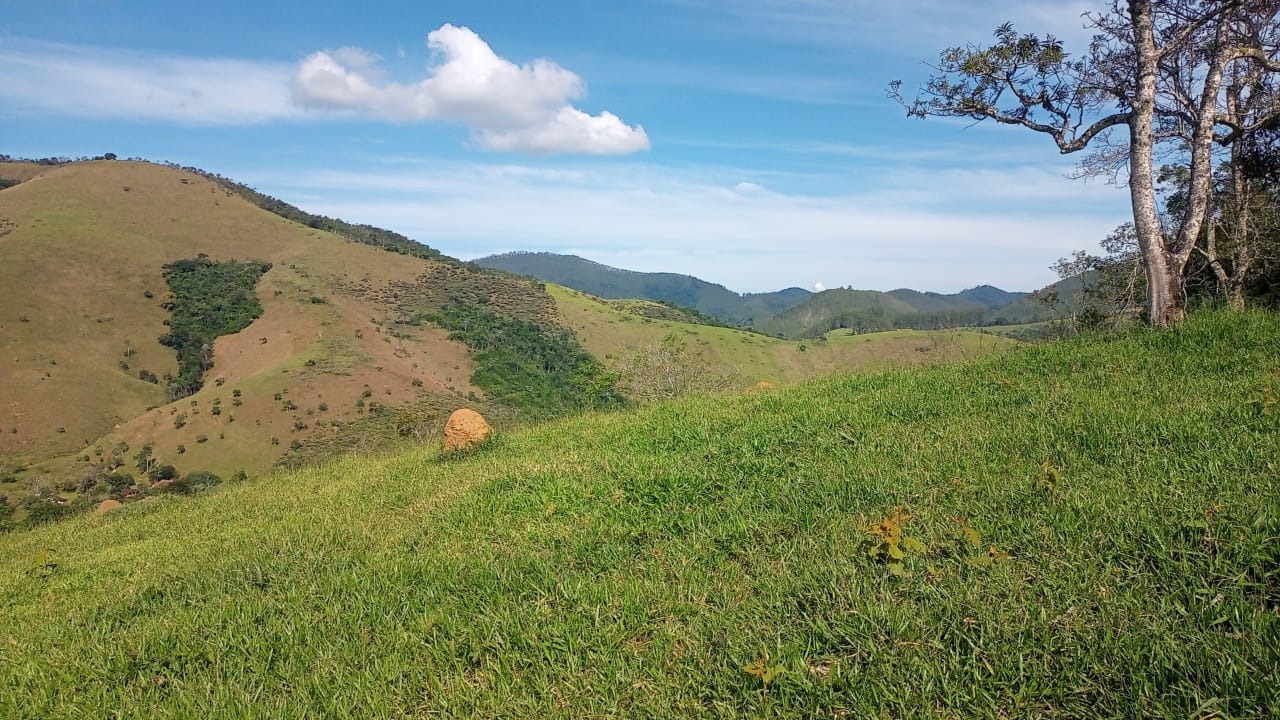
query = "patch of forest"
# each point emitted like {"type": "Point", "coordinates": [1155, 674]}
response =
{"type": "Point", "coordinates": [208, 299]}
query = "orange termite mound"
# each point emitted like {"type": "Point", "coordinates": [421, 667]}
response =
{"type": "Point", "coordinates": [465, 428]}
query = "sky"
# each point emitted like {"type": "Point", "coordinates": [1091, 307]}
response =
{"type": "Point", "coordinates": [747, 142]}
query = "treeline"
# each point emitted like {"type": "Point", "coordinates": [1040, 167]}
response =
{"type": "Point", "coordinates": [541, 371]}
{"type": "Point", "coordinates": [208, 299]}
{"type": "Point", "coordinates": [54, 161]}
{"type": "Point", "coordinates": [364, 234]}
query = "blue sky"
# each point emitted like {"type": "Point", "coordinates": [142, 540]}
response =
{"type": "Point", "coordinates": [747, 142]}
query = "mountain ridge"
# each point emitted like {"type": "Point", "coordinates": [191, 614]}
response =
{"type": "Point", "coordinates": [614, 283]}
{"type": "Point", "coordinates": [791, 312]}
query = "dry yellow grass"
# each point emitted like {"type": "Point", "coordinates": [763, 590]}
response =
{"type": "Point", "coordinates": [86, 242]}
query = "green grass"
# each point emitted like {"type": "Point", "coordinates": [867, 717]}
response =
{"type": "Point", "coordinates": [663, 562]}
{"type": "Point", "coordinates": [608, 331]}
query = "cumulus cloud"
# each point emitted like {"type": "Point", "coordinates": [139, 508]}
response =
{"type": "Point", "coordinates": [819, 287]}
{"type": "Point", "coordinates": [509, 107]}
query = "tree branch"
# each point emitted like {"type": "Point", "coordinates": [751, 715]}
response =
{"type": "Point", "coordinates": [1178, 40]}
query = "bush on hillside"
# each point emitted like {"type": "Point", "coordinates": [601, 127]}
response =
{"type": "Point", "coordinates": [163, 472]}
{"type": "Point", "coordinates": [42, 509]}
{"type": "Point", "coordinates": [194, 482]}
{"type": "Point", "coordinates": [209, 299]}
{"type": "Point", "coordinates": [543, 372]}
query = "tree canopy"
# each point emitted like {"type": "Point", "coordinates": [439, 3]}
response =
{"type": "Point", "coordinates": [1184, 77]}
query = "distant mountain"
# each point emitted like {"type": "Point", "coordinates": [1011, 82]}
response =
{"type": "Point", "coordinates": [1031, 308]}
{"type": "Point", "coordinates": [793, 312]}
{"type": "Point", "coordinates": [612, 283]}
{"type": "Point", "coordinates": [865, 310]}
{"type": "Point", "coordinates": [992, 297]}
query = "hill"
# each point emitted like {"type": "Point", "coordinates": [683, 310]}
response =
{"type": "Point", "coordinates": [609, 282]}
{"type": "Point", "coordinates": [344, 335]}
{"type": "Point", "coordinates": [162, 320]}
{"type": "Point", "coordinates": [865, 310]}
{"type": "Point", "coordinates": [793, 313]}
{"type": "Point", "coordinates": [1078, 529]}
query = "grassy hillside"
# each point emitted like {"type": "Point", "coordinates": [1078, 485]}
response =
{"type": "Point", "coordinates": [86, 314]}
{"type": "Point", "coordinates": [745, 358]}
{"type": "Point", "coordinates": [156, 316]}
{"type": "Point", "coordinates": [612, 283]}
{"type": "Point", "coordinates": [1082, 529]}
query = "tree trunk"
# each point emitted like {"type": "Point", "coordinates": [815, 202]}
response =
{"type": "Point", "coordinates": [1164, 275]}
{"type": "Point", "coordinates": [1200, 182]}
{"type": "Point", "coordinates": [1235, 293]}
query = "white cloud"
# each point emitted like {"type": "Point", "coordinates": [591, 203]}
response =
{"type": "Point", "coordinates": [993, 229]}
{"type": "Point", "coordinates": [570, 130]}
{"type": "Point", "coordinates": [819, 287]}
{"type": "Point", "coordinates": [95, 82]}
{"type": "Point", "coordinates": [509, 107]}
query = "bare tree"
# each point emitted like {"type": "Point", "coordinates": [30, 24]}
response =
{"type": "Point", "coordinates": [1155, 67]}
{"type": "Point", "coordinates": [1240, 232]}
{"type": "Point", "coordinates": [668, 368]}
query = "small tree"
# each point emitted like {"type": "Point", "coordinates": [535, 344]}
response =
{"type": "Point", "coordinates": [667, 368]}
{"type": "Point", "coordinates": [163, 472]}
{"type": "Point", "coordinates": [145, 458]}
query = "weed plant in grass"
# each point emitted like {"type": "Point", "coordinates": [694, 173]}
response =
{"type": "Point", "coordinates": [1088, 528]}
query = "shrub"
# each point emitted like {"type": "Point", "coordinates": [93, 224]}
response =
{"type": "Point", "coordinates": [163, 472]}
{"type": "Point", "coordinates": [41, 510]}
{"type": "Point", "coordinates": [197, 481]}
{"type": "Point", "coordinates": [542, 371]}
